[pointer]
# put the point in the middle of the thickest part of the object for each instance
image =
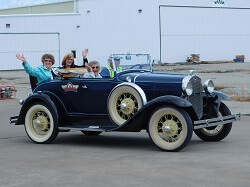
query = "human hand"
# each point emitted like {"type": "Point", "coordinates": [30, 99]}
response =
{"type": "Point", "coordinates": [89, 69]}
{"type": "Point", "coordinates": [85, 53]}
{"type": "Point", "coordinates": [21, 57]}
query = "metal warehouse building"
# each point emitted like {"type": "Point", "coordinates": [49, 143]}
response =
{"type": "Point", "coordinates": [169, 30]}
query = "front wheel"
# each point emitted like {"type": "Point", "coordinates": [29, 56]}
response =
{"type": "Point", "coordinates": [216, 133]}
{"type": "Point", "coordinates": [170, 128]}
{"type": "Point", "coordinates": [41, 123]}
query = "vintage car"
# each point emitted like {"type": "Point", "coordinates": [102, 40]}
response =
{"type": "Point", "coordinates": [168, 106]}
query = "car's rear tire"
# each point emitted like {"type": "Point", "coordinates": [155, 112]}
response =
{"type": "Point", "coordinates": [124, 101]}
{"type": "Point", "coordinates": [91, 133]}
{"type": "Point", "coordinates": [216, 133]}
{"type": "Point", "coordinates": [170, 128]}
{"type": "Point", "coordinates": [41, 123]}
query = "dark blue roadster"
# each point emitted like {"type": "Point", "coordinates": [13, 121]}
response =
{"type": "Point", "coordinates": [168, 106]}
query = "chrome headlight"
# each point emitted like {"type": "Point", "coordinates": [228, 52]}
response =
{"type": "Point", "coordinates": [187, 86]}
{"type": "Point", "coordinates": [209, 86]}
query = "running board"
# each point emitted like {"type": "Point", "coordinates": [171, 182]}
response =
{"type": "Point", "coordinates": [90, 128]}
{"type": "Point", "coordinates": [216, 121]}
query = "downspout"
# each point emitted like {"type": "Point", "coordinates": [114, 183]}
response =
{"type": "Point", "coordinates": [76, 6]}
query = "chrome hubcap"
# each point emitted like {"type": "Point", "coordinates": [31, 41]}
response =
{"type": "Point", "coordinates": [127, 106]}
{"type": "Point", "coordinates": [169, 128]}
{"type": "Point", "coordinates": [41, 123]}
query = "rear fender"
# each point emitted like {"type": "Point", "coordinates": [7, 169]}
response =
{"type": "Point", "coordinates": [34, 98]}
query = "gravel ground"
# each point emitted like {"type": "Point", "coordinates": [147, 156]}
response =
{"type": "Point", "coordinates": [231, 78]}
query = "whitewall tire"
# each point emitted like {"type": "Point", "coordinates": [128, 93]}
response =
{"type": "Point", "coordinates": [124, 101]}
{"type": "Point", "coordinates": [170, 128]}
{"type": "Point", "coordinates": [41, 123]}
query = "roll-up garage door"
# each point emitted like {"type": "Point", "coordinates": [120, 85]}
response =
{"type": "Point", "coordinates": [31, 45]}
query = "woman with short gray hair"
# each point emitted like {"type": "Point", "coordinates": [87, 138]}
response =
{"type": "Point", "coordinates": [93, 70]}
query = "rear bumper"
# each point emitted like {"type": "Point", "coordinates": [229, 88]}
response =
{"type": "Point", "coordinates": [216, 121]}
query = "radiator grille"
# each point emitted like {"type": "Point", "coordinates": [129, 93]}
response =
{"type": "Point", "coordinates": [196, 98]}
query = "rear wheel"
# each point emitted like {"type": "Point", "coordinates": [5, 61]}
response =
{"type": "Point", "coordinates": [170, 128]}
{"type": "Point", "coordinates": [216, 133]}
{"type": "Point", "coordinates": [41, 123]}
{"type": "Point", "coordinates": [124, 101]}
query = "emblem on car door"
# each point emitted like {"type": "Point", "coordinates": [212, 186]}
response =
{"type": "Point", "coordinates": [70, 87]}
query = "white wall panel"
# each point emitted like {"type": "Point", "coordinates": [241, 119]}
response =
{"type": "Point", "coordinates": [115, 26]}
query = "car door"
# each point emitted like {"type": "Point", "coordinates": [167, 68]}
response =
{"type": "Point", "coordinates": [87, 95]}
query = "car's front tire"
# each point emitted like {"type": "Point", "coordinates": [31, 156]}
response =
{"type": "Point", "coordinates": [41, 123]}
{"type": "Point", "coordinates": [170, 128]}
{"type": "Point", "coordinates": [216, 133]}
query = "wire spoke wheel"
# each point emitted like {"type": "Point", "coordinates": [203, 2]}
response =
{"type": "Point", "coordinates": [124, 101]}
{"type": "Point", "coordinates": [40, 123]}
{"type": "Point", "coordinates": [170, 128]}
{"type": "Point", "coordinates": [216, 133]}
{"type": "Point", "coordinates": [126, 105]}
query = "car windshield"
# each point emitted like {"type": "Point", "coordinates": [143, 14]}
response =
{"type": "Point", "coordinates": [130, 61]}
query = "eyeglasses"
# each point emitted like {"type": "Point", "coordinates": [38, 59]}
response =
{"type": "Point", "coordinates": [95, 67]}
{"type": "Point", "coordinates": [46, 60]}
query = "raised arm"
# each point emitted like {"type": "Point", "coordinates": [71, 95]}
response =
{"type": "Point", "coordinates": [84, 55]}
{"type": "Point", "coordinates": [21, 57]}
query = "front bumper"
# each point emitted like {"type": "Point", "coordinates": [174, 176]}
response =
{"type": "Point", "coordinates": [216, 121]}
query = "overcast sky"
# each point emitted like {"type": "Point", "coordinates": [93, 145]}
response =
{"type": "Point", "coordinates": [15, 3]}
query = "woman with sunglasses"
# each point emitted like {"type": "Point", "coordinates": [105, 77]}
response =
{"type": "Point", "coordinates": [93, 70]}
{"type": "Point", "coordinates": [44, 72]}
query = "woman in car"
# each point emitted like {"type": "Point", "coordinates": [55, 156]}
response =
{"type": "Point", "coordinates": [68, 60]}
{"type": "Point", "coordinates": [93, 70]}
{"type": "Point", "coordinates": [45, 72]}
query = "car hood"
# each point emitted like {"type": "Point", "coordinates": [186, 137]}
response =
{"type": "Point", "coordinates": [156, 84]}
{"type": "Point", "coordinates": [149, 77]}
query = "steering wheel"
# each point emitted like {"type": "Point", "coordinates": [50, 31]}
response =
{"type": "Point", "coordinates": [137, 65]}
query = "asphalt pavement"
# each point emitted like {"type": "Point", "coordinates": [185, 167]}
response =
{"type": "Point", "coordinates": [119, 159]}
{"type": "Point", "coordinates": [128, 159]}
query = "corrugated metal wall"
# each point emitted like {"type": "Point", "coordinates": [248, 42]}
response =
{"type": "Point", "coordinates": [117, 27]}
{"type": "Point", "coordinates": [164, 28]}
{"type": "Point", "coordinates": [36, 44]}
{"type": "Point", "coordinates": [34, 38]}
{"type": "Point", "coordinates": [214, 33]}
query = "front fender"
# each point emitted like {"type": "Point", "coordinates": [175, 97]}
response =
{"type": "Point", "coordinates": [221, 96]}
{"type": "Point", "coordinates": [36, 97]}
{"type": "Point", "coordinates": [140, 120]}
{"type": "Point", "coordinates": [212, 102]}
